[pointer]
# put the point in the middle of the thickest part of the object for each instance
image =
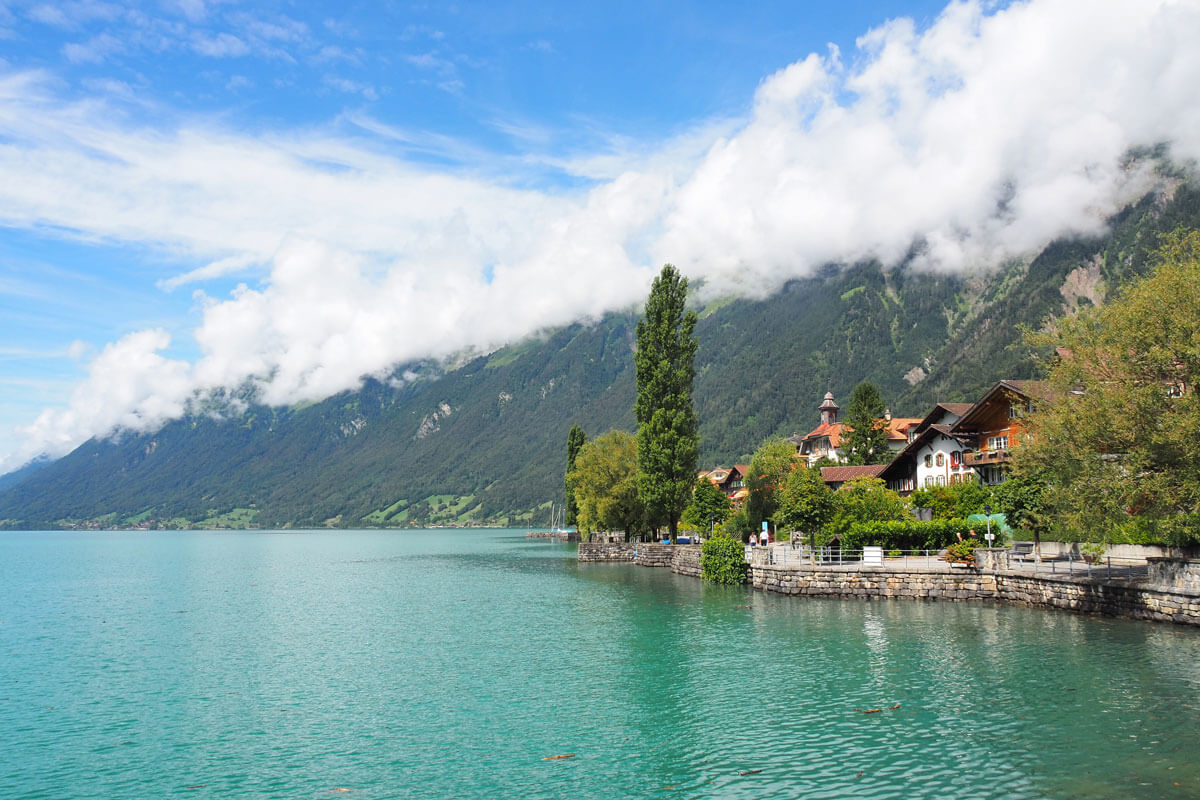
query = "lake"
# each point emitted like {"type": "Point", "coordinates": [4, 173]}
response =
{"type": "Point", "coordinates": [457, 664]}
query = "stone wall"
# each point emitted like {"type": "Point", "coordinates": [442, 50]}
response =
{"type": "Point", "coordinates": [681, 558]}
{"type": "Point", "coordinates": [1171, 595]}
{"type": "Point", "coordinates": [1075, 593]}
{"type": "Point", "coordinates": [606, 551]}
{"type": "Point", "coordinates": [1175, 573]}
{"type": "Point", "coordinates": [852, 580]}
{"type": "Point", "coordinates": [1096, 597]}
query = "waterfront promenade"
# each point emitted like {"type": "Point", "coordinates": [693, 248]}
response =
{"type": "Point", "coordinates": [1160, 589]}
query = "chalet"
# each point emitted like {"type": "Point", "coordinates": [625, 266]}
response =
{"type": "Point", "coordinates": [933, 455]}
{"type": "Point", "coordinates": [825, 441]}
{"type": "Point", "coordinates": [730, 480]}
{"type": "Point", "coordinates": [996, 424]}
{"type": "Point", "coordinates": [958, 442]}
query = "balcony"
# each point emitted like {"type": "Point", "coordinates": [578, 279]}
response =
{"type": "Point", "coordinates": [983, 458]}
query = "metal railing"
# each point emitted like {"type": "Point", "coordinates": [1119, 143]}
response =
{"type": "Point", "coordinates": [781, 556]}
{"type": "Point", "coordinates": [930, 560]}
{"type": "Point", "coordinates": [1070, 564]}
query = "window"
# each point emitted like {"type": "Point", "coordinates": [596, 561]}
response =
{"type": "Point", "coordinates": [997, 443]}
{"type": "Point", "coordinates": [956, 459]}
{"type": "Point", "coordinates": [941, 459]}
{"type": "Point", "coordinates": [941, 480]}
{"type": "Point", "coordinates": [1014, 410]}
{"type": "Point", "coordinates": [928, 481]}
{"type": "Point", "coordinates": [928, 460]}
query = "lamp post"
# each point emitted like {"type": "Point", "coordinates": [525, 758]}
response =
{"type": "Point", "coordinates": [987, 510]}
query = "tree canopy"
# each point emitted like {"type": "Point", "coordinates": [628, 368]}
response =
{"type": "Point", "coordinates": [769, 468]}
{"type": "Point", "coordinates": [709, 506]}
{"type": "Point", "coordinates": [605, 485]}
{"type": "Point", "coordinates": [806, 504]}
{"type": "Point", "coordinates": [667, 434]}
{"type": "Point", "coordinates": [1115, 443]}
{"type": "Point", "coordinates": [867, 442]}
{"type": "Point", "coordinates": [865, 500]}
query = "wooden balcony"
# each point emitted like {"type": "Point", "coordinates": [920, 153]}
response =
{"type": "Point", "coordinates": [982, 458]}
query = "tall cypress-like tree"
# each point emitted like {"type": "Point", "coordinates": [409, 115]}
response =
{"type": "Point", "coordinates": [668, 437]}
{"type": "Point", "coordinates": [867, 443]}
{"type": "Point", "coordinates": [576, 439]}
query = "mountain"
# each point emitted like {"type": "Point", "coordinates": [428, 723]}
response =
{"type": "Point", "coordinates": [484, 441]}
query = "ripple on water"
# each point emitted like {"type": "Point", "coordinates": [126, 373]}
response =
{"type": "Point", "coordinates": [437, 664]}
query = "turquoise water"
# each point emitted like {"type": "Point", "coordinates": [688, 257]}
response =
{"type": "Point", "coordinates": [449, 664]}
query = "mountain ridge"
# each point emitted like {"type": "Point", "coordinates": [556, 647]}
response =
{"type": "Point", "coordinates": [484, 442]}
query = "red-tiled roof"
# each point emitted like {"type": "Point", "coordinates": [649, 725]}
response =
{"type": "Point", "coordinates": [842, 474]}
{"type": "Point", "coordinates": [832, 430]}
{"type": "Point", "coordinates": [835, 431]}
{"type": "Point", "coordinates": [897, 426]}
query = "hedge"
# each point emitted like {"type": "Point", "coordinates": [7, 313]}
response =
{"type": "Point", "coordinates": [910, 534]}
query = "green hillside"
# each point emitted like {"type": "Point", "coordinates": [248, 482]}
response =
{"type": "Point", "coordinates": [485, 442]}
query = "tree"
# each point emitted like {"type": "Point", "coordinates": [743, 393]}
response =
{"type": "Point", "coordinates": [865, 500]}
{"type": "Point", "coordinates": [957, 501]}
{"type": "Point", "coordinates": [668, 438]}
{"type": "Point", "coordinates": [576, 439]}
{"type": "Point", "coordinates": [769, 468]}
{"type": "Point", "coordinates": [867, 442]}
{"type": "Point", "coordinates": [709, 506]}
{"type": "Point", "coordinates": [1116, 439]}
{"type": "Point", "coordinates": [1022, 500]}
{"type": "Point", "coordinates": [806, 503]}
{"type": "Point", "coordinates": [605, 485]}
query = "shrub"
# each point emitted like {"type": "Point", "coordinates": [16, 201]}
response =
{"type": "Point", "coordinates": [723, 560]}
{"type": "Point", "coordinates": [906, 534]}
{"type": "Point", "coordinates": [962, 552]}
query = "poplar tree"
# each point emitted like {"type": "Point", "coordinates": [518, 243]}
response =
{"type": "Point", "coordinates": [576, 439]}
{"type": "Point", "coordinates": [667, 437]}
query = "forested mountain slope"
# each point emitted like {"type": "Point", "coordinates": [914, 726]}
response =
{"type": "Point", "coordinates": [485, 441]}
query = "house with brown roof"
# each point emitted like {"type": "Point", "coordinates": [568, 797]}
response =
{"type": "Point", "coordinates": [996, 424]}
{"type": "Point", "coordinates": [837, 477]}
{"type": "Point", "coordinates": [825, 440]}
{"type": "Point", "coordinates": [730, 480]}
{"type": "Point", "coordinates": [958, 442]}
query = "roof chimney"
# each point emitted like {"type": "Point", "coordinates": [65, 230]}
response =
{"type": "Point", "coordinates": [828, 410]}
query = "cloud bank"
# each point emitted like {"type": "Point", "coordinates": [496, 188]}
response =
{"type": "Point", "coordinates": [979, 138]}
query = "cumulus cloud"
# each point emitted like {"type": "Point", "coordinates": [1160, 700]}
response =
{"type": "Point", "coordinates": [979, 138]}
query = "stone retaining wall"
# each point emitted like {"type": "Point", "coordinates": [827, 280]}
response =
{"type": "Point", "coordinates": [1175, 573]}
{"type": "Point", "coordinates": [681, 558]}
{"type": "Point", "coordinates": [1076, 593]}
{"type": "Point", "coordinates": [1151, 600]}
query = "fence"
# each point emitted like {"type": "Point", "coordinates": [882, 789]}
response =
{"type": "Point", "coordinates": [1069, 564]}
{"type": "Point", "coordinates": [803, 555]}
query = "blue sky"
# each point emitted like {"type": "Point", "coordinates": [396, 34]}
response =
{"type": "Point", "coordinates": [197, 195]}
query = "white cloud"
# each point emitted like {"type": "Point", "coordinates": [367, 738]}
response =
{"type": "Point", "coordinates": [94, 51]}
{"type": "Point", "coordinates": [129, 387]}
{"type": "Point", "coordinates": [223, 45]}
{"type": "Point", "coordinates": [980, 138]}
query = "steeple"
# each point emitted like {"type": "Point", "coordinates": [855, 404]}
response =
{"type": "Point", "coordinates": [828, 410]}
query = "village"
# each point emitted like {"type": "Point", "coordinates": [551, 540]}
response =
{"type": "Point", "coordinates": [954, 443]}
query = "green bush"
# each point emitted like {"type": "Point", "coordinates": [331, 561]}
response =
{"type": "Point", "coordinates": [907, 534]}
{"type": "Point", "coordinates": [962, 552]}
{"type": "Point", "coordinates": [723, 560]}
